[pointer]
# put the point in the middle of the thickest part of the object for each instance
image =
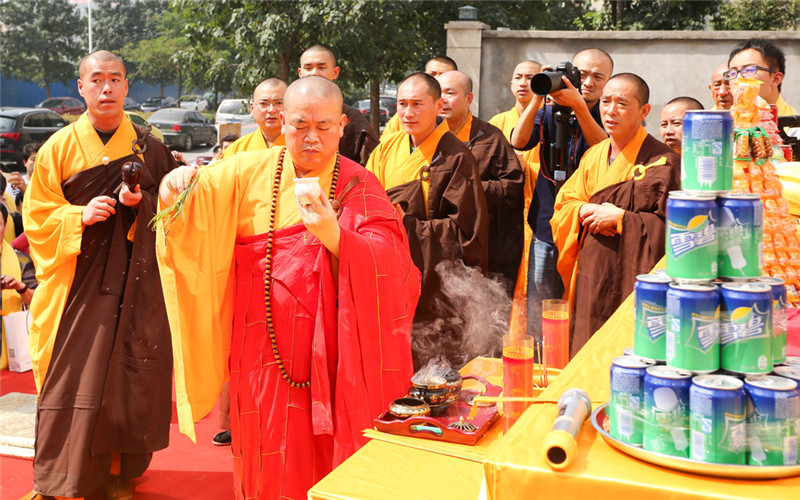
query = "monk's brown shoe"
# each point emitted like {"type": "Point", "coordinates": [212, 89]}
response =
{"type": "Point", "coordinates": [118, 489]}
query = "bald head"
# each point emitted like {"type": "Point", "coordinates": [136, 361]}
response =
{"type": "Point", "coordinates": [720, 88]}
{"type": "Point", "coordinates": [440, 64]}
{"type": "Point", "coordinates": [430, 83]}
{"type": "Point", "coordinates": [318, 60]}
{"type": "Point", "coordinates": [596, 54]}
{"type": "Point", "coordinates": [269, 84]}
{"type": "Point", "coordinates": [641, 91]}
{"type": "Point", "coordinates": [102, 56]}
{"type": "Point", "coordinates": [455, 78]}
{"type": "Point", "coordinates": [313, 87]}
{"type": "Point", "coordinates": [456, 98]}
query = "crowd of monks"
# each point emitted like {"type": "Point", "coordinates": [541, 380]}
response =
{"type": "Point", "coordinates": [309, 302]}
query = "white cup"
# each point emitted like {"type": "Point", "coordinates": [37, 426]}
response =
{"type": "Point", "coordinates": [306, 189]}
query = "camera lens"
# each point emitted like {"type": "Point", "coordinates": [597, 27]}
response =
{"type": "Point", "coordinates": [547, 82]}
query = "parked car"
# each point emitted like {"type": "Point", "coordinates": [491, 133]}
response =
{"type": "Point", "coordinates": [142, 122]}
{"type": "Point", "coordinates": [184, 128]}
{"type": "Point", "coordinates": [63, 105]}
{"type": "Point", "coordinates": [194, 102]}
{"type": "Point", "coordinates": [131, 105]}
{"type": "Point", "coordinates": [234, 110]}
{"type": "Point", "coordinates": [364, 107]}
{"type": "Point", "coordinates": [157, 102]}
{"type": "Point", "coordinates": [390, 103]}
{"type": "Point", "coordinates": [20, 126]}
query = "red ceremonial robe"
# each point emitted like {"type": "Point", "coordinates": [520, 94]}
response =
{"type": "Point", "coordinates": [358, 360]}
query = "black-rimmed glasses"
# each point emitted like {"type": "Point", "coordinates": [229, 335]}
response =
{"type": "Point", "coordinates": [746, 72]}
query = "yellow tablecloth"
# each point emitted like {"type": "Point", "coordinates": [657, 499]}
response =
{"type": "Point", "coordinates": [515, 466]}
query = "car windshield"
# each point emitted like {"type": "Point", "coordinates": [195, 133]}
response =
{"type": "Point", "coordinates": [6, 123]}
{"type": "Point", "coordinates": [153, 100]}
{"type": "Point", "coordinates": [173, 115]}
{"type": "Point", "coordinates": [51, 103]}
{"type": "Point", "coordinates": [232, 107]}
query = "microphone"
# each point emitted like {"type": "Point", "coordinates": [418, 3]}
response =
{"type": "Point", "coordinates": [560, 444]}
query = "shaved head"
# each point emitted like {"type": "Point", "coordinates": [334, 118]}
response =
{"type": "Point", "coordinates": [312, 87]}
{"type": "Point", "coordinates": [528, 66]}
{"type": "Point", "coordinates": [321, 48]}
{"type": "Point", "coordinates": [687, 102]}
{"type": "Point", "coordinates": [440, 64]}
{"type": "Point", "coordinates": [642, 90]}
{"type": "Point", "coordinates": [268, 84]}
{"type": "Point", "coordinates": [597, 54]}
{"type": "Point", "coordinates": [100, 56]}
{"type": "Point", "coordinates": [456, 78]}
{"type": "Point", "coordinates": [431, 84]}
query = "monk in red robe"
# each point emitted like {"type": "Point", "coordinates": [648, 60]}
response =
{"type": "Point", "coordinates": [312, 295]}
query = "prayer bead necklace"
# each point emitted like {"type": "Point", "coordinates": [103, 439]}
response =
{"type": "Point", "coordinates": [273, 210]}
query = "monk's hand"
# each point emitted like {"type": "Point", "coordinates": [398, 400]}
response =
{"type": "Point", "coordinates": [130, 198]}
{"type": "Point", "coordinates": [568, 96]}
{"type": "Point", "coordinates": [179, 158]}
{"type": "Point", "coordinates": [8, 281]}
{"type": "Point", "coordinates": [586, 210]}
{"type": "Point", "coordinates": [319, 218]}
{"type": "Point", "coordinates": [603, 220]}
{"type": "Point", "coordinates": [175, 182]}
{"type": "Point", "coordinates": [99, 209]}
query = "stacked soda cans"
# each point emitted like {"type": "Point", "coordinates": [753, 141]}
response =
{"type": "Point", "coordinates": [717, 324]}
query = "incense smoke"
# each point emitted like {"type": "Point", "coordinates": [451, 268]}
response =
{"type": "Point", "coordinates": [472, 314]}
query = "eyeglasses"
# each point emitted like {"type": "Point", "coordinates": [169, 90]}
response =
{"type": "Point", "coordinates": [746, 72]}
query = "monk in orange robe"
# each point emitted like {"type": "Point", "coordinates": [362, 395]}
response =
{"type": "Point", "coordinates": [529, 160]}
{"type": "Point", "coordinates": [310, 295]}
{"type": "Point", "coordinates": [99, 341]}
{"type": "Point", "coordinates": [266, 107]}
{"type": "Point", "coordinates": [609, 219]}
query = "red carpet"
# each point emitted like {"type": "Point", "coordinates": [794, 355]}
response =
{"type": "Point", "coordinates": [184, 470]}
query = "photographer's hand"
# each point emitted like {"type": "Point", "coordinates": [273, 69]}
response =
{"type": "Point", "coordinates": [568, 96]}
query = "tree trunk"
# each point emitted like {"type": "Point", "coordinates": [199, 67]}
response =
{"type": "Point", "coordinates": [375, 104]}
{"type": "Point", "coordinates": [47, 88]}
{"type": "Point", "coordinates": [180, 82]}
{"type": "Point", "coordinates": [283, 67]}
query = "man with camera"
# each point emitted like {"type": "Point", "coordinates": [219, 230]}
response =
{"type": "Point", "coordinates": [565, 131]}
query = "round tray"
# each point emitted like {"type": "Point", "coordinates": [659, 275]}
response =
{"type": "Point", "coordinates": [600, 421]}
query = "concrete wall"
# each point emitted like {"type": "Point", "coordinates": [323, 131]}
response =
{"type": "Point", "coordinates": [672, 62]}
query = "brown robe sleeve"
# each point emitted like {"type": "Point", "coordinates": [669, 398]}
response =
{"type": "Point", "coordinates": [503, 182]}
{"type": "Point", "coordinates": [359, 137]}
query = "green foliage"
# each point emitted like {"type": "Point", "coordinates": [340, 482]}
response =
{"type": "Point", "coordinates": [657, 14]}
{"type": "Point", "coordinates": [759, 15]}
{"type": "Point", "coordinates": [41, 41]}
{"type": "Point", "coordinates": [158, 60]}
{"type": "Point", "coordinates": [116, 23]}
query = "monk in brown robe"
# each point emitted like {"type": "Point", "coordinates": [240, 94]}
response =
{"type": "Point", "coordinates": [100, 342]}
{"type": "Point", "coordinates": [359, 137]}
{"type": "Point", "coordinates": [266, 108]}
{"type": "Point", "coordinates": [500, 171]}
{"type": "Point", "coordinates": [609, 219]}
{"type": "Point", "coordinates": [433, 180]}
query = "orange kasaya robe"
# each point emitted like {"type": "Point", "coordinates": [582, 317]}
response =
{"type": "Point", "coordinates": [530, 166]}
{"type": "Point", "coordinates": [392, 127]}
{"type": "Point", "coordinates": [254, 141]}
{"type": "Point", "coordinates": [357, 358]}
{"type": "Point", "coordinates": [12, 301]}
{"type": "Point", "coordinates": [599, 271]}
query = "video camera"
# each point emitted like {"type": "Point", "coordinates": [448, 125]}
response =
{"type": "Point", "coordinates": [550, 81]}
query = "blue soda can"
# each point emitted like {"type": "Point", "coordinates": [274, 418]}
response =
{"type": "Point", "coordinates": [779, 321]}
{"type": "Point", "coordinates": [707, 151]}
{"type": "Point", "coordinates": [773, 417]}
{"type": "Point", "coordinates": [746, 328]}
{"type": "Point", "coordinates": [740, 233]}
{"type": "Point", "coordinates": [717, 419]}
{"type": "Point", "coordinates": [650, 316]}
{"type": "Point", "coordinates": [693, 328]}
{"type": "Point", "coordinates": [691, 237]}
{"type": "Point", "coordinates": [626, 402]}
{"type": "Point", "coordinates": [666, 410]}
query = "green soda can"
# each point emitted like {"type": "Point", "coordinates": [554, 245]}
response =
{"type": "Point", "coordinates": [717, 419]}
{"type": "Point", "coordinates": [740, 233]}
{"type": "Point", "coordinates": [666, 410]}
{"type": "Point", "coordinates": [707, 151]}
{"type": "Point", "coordinates": [691, 243]}
{"type": "Point", "coordinates": [627, 393]}
{"type": "Point", "coordinates": [746, 328]}
{"type": "Point", "coordinates": [650, 315]}
{"type": "Point", "coordinates": [693, 327]}
{"type": "Point", "coordinates": [773, 418]}
{"type": "Point", "coordinates": [779, 321]}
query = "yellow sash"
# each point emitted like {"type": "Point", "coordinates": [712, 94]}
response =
{"type": "Point", "coordinates": [12, 301]}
